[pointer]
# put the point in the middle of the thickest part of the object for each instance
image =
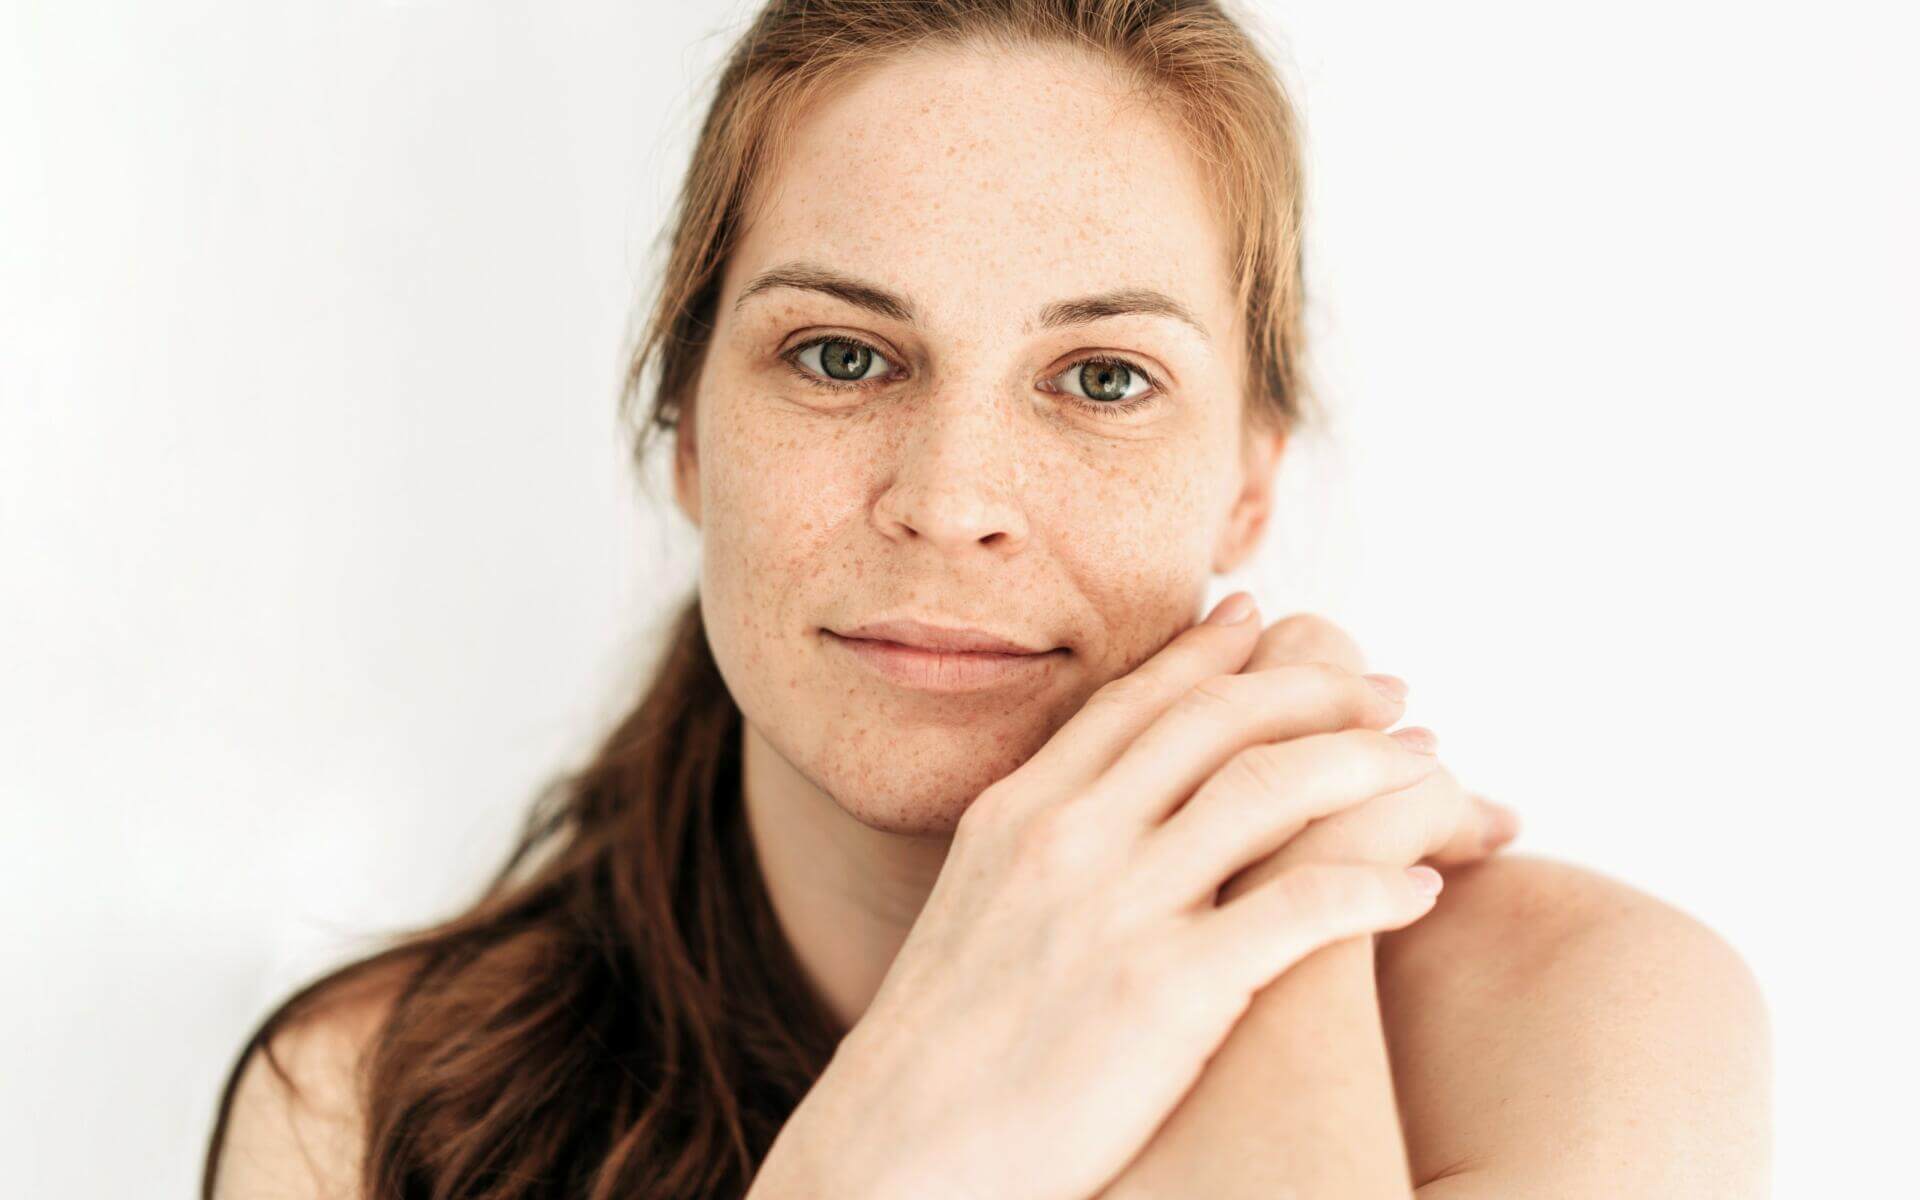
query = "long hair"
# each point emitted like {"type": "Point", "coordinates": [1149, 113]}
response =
{"type": "Point", "coordinates": [618, 1013]}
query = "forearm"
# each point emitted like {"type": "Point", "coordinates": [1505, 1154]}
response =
{"type": "Point", "coordinates": [1297, 1102]}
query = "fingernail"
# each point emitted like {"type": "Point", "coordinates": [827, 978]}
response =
{"type": "Point", "coordinates": [1425, 879]}
{"type": "Point", "coordinates": [1233, 608]}
{"type": "Point", "coordinates": [1391, 686]}
{"type": "Point", "coordinates": [1417, 738]}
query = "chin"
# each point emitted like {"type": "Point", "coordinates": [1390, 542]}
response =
{"type": "Point", "coordinates": [908, 815]}
{"type": "Point", "coordinates": [916, 781]}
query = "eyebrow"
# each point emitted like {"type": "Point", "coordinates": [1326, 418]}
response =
{"type": "Point", "coordinates": [1059, 314]}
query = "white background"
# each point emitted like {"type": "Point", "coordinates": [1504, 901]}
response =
{"type": "Point", "coordinates": [321, 553]}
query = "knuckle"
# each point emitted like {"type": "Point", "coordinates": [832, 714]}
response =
{"type": "Point", "coordinates": [1329, 675]}
{"type": "Point", "coordinates": [1049, 842]}
{"type": "Point", "coordinates": [1122, 692]}
{"type": "Point", "coordinates": [1216, 693]}
{"type": "Point", "coordinates": [1303, 627]}
{"type": "Point", "coordinates": [1371, 742]}
{"type": "Point", "coordinates": [1129, 978]}
{"type": "Point", "coordinates": [1312, 636]}
{"type": "Point", "coordinates": [974, 831]}
{"type": "Point", "coordinates": [1329, 683]}
{"type": "Point", "coordinates": [1349, 762]}
{"type": "Point", "coordinates": [1260, 770]}
{"type": "Point", "coordinates": [1143, 978]}
{"type": "Point", "coordinates": [1373, 752]}
{"type": "Point", "coordinates": [990, 810]}
{"type": "Point", "coordinates": [1311, 683]}
{"type": "Point", "coordinates": [1311, 686]}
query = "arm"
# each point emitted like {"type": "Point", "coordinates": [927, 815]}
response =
{"type": "Point", "coordinates": [1299, 1100]}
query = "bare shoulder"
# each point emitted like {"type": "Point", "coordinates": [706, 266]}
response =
{"type": "Point", "coordinates": [1529, 905]}
{"type": "Point", "coordinates": [296, 1125]}
{"type": "Point", "coordinates": [1548, 1023]}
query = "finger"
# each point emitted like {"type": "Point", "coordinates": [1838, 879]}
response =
{"type": "Point", "coordinates": [1306, 637]}
{"type": "Point", "coordinates": [1435, 820]}
{"type": "Point", "coordinates": [1114, 715]}
{"type": "Point", "coordinates": [1224, 715]}
{"type": "Point", "coordinates": [1489, 829]}
{"type": "Point", "coordinates": [1265, 795]}
{"type": "Point", "coordinates": [1259, 935]}
{"type": "Point", "coordinates": [1399, 827]}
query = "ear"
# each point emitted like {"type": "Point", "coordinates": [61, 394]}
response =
{"type": "Point", "coordinates": [1259, 458]}
{"type": "Point", "coordinates": [686, 467]}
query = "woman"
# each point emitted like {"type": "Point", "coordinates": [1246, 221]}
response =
{"type": "Point", "coordinates": [946, 854]}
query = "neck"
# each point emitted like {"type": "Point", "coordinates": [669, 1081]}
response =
{"type": "Point", "coordinates": [845, 893]}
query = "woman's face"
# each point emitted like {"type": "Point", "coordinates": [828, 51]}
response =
{"type": "Point", "coordinates": [950, 462]}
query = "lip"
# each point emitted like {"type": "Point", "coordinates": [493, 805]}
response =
{"type": "Point", "coordinates": [942, 670]}
{"type": "Point", "coordinates": [922, 636]}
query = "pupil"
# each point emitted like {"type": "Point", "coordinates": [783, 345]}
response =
{"type": "Point", "coordinates": [838, 357]}
{"type": "Point", "coordinates": [1105, 381]}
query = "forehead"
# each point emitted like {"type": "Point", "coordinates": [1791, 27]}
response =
{"type": "Point", "coordinates": [984, 183]}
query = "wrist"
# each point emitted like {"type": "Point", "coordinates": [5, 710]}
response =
{"type": "Point", "coordinates": [799, 1166]}
{"type": "Point", "coordinates": [825, 1150]}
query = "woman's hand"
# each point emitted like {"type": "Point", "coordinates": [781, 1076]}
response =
{"type": "Point", "coordinates": [1071, 973]}
{"type": "Point", "coordinates": [1435, 820]}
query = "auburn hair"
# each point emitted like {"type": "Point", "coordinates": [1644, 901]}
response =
{"type": "Point", "coordinates": [618, 1013]}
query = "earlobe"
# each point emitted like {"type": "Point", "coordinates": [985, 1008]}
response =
{"type": "Point", "coordinates": [1251, 508]}
{"type": "Point", "coordinates": [1242, 533]}
{"type": "Point", "coordinates": [686, 474]}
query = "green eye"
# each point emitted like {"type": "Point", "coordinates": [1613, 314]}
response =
{"type": "Point", "coordinates": [1099, 383]}
{"type": "Point", "coordinates": [840, 359]}
{"type": "Point", "coordinates": [1105, 381]}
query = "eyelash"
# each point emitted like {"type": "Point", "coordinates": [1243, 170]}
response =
{"type": "Point", "coordinates": [1112, 409]}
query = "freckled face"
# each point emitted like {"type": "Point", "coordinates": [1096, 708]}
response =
{"type": "Point", "coordinates": [960, 466]}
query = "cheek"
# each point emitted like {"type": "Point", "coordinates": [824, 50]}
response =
{"type": "Point", "coordinates": [775, 487]}
{"type": "Point", "coordinates": [1136, 535]}
{"type": "Point", "coordinates": [773, 492]}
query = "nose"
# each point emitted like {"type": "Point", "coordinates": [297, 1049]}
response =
{"type": "Point", "coordinates": [956, 477]}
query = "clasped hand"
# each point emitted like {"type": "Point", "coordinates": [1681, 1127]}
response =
{"type": "Point", "coordinates": [1436, 820]}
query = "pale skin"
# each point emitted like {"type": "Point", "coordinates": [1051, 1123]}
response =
{"type": "Point", "coordinates": [1544, 1030]}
